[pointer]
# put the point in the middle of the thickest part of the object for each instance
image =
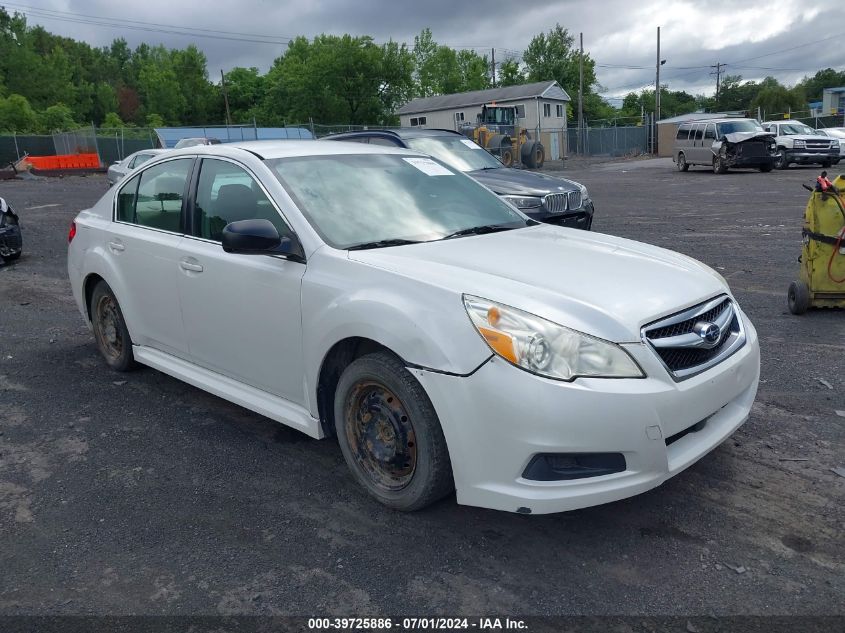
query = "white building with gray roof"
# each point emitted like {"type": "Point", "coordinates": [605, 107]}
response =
{"type": "Point", "coordinates": [544, 105]}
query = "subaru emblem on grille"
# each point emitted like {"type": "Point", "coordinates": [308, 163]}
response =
{"type": "Point", "coordinates": [710, 333]}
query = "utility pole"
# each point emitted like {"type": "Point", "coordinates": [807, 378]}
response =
{"type": "Point", "coordinates": [493, 65]}
{"type": "Point", "coordinates": [581, 97]}
{"type": "Point", "coordinates": [718, 73]}
{"type": "Point", "coordinates": [657, 92]}
{"type": "Point", "coordinates": [225, 97]}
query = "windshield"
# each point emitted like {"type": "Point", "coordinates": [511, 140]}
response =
{"type": "Point", "coordinates": [460, 153]}
{"type": "Point", "coordinates": [738, 126]}
{"type": "Point", "coordinates": [796, 128]}
{"type": "Point", "coordinates": [357, 199]}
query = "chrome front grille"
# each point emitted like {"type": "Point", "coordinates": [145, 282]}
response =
{"type": "Point", "coordinates": [698, 338]}
{"type": "Point", "coordinates": [563, 202]}
{"type": "Point", "coordinates": [556, 203]}
{"type": "Point", "coordinates": [817, 144]}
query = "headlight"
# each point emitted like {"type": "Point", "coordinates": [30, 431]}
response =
{"type": "Point", "coordinates": [524, 202]}
{"type": "Point", "coordinates": [834, 145]}
{"type": "Point", "coordinates": [798, 143]}
{"type": "Point", "coordinates": [545, 348]}
{"type": "Point", "coordinates": [585, 197]}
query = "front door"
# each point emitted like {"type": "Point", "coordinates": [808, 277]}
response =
{"type": "Point", "coordinates": [241, 312]}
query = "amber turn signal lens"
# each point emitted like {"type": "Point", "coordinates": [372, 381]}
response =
{"type": "Point", "coordinates": [500, 342]}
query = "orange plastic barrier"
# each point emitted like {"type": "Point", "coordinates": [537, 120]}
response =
{"type": "Point", "coordinates": [66, 161]}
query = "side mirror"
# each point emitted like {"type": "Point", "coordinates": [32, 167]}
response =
{"type": "Point", "coordinates": [258, 237]}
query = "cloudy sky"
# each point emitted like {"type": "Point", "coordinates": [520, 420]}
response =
{"type": "Point", "coordinates": [784, 38]}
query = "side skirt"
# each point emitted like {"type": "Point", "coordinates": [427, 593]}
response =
{"type": "Point", "coordinates": [261, 402]}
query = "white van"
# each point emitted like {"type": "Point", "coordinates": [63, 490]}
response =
{"type": "Point", "coordinates": [722, 144]}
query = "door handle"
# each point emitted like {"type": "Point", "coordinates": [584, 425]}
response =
{"type": "Point", "coordinates": [116, 247]}
{"type": "Point", "coordinates": [191, 266]}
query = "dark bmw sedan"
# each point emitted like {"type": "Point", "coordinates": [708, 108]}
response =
{"type": "Point", "coordinates": [544, 198]}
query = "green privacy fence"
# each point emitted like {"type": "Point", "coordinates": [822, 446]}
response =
{"type": "Point", "coordinates": [111, 144]}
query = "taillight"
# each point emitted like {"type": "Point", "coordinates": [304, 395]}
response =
{"type": "Point", "coordinates": [71, 233]}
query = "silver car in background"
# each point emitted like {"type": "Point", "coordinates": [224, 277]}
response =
{"type": "Point", "coordinates": [118, 170]}
{"type": "Point", "coordinates": [835, 132]}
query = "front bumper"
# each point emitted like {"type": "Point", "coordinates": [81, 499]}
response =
{"type": "Point", "coordinates": [809, 157]}
{"type": "Point", "coordinates": [581, 218]}
{"type": "Point", "coordinates": [11, 242]}
{"type": "Point", "coordinates": [751, 161]}
{"type": "Point", "coordinates": [496, 419]}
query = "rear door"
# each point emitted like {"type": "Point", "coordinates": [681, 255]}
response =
{"type": "Point", "coordinates": [241, 313]}
{"type": "Point", "coordinates": [143, 244]}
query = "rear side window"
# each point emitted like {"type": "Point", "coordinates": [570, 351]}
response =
{"type": "Point", "coordinates": [683, 133]}
{"type": "Point", "coordinates": [698, 131]}
{"type": "Point", "coordinates": [154, 197]}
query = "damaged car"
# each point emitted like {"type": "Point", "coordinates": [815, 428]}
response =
{"type": "Point", "coordinates": [722, 144]}
{"type": "Point", "coordinates": [11, 243]}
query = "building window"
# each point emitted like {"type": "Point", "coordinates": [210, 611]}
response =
{"type": "Point", "coordinates": [417, 121]}
{"type": "Point", "coordinates": [547, 109]}
{"type": "Point", "coordinates": [459, 116]}
{"type": "Point", "coordinates": [559, 110]}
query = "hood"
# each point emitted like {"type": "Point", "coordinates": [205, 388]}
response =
{"type": "Point", "coordinates": [741, 137]}
{"type": "Point", "coordinates": [598, 284]}
{"type": "Point", "coordinates": [521, 182]}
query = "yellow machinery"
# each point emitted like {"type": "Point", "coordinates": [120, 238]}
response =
{"type": "Point", "coordinates": [822, 276]}
{"type": "Point", "coordinates": [497, 130]}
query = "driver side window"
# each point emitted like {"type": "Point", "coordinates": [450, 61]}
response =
{"type": "Point", "coordinates": [227, 193]}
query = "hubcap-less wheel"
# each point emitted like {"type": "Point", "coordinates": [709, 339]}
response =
{"type": "Point", "coordinates": [682, 163]}
{"type": "Point", "coordinates": [381, 436]}
{"type": "Point", "coordinates": [108, 327]}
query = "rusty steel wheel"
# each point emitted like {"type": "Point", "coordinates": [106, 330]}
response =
{"type": "Point", "coordinates": [381, 436]}
{"type": "Point", "coordinates": [110, 330]}
{"type": "Point", "coordinates": [389, 433]}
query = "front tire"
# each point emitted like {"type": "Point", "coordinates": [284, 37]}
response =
{"type": "Point", "coordinates": [719, 166]}
{"type": "Point", "coordinates": [798, 297]}
{"type": "Point", "coordinates": [389, 434]}
{"type": "Point", "coordinates": [765, 168]}
{"type": "Point", "coordinates": [683, 165]}
{"type": "Point", "coordinates": [110, 329]}
{"type": "Point", "coordinates": [780, 160]}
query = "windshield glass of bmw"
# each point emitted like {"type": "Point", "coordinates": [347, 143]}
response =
{"type": "Point", "coordinates": [357, 199]}
{"type": "Point", "coordinates": [738, 126]}
{"type": "Point", "coordinates": [460, 153]}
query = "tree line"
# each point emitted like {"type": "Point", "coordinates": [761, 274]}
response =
{"type": "Point", "coordinates": [49, 82]}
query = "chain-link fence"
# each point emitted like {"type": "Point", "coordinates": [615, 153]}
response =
{"type": "Point", "coordinates": [609, 141]}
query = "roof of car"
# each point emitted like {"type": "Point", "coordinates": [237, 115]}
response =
{"type": "Point", "coordinates": [286, 149]}
{"type": "Point", "coordinates": [401, 132]}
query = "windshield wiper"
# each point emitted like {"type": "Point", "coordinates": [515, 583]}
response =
{"type": "Point", "coordinates": [479, 230]}
{"type": "Point", "coordinates": [381, 244]}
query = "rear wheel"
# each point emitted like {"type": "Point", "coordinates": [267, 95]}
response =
{"type": "Point", "coordinates": [683, 165]}
{"type": "Point", "coordinates": [798, 297]}
{"type": "Point", "coordinates": [506, 154]}
{"type": "Point", "coordinates": [389, 433]}
{"type": "Point", "coordinates": [110, 330]}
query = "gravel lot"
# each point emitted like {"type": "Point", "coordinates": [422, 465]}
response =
{"type": "Point", "coordinates": [138, 494]}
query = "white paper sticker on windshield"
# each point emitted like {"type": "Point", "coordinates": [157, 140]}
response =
{"type": "Point", "coordinates": [428, 166]}
{"type": "Point", "coordinates": [470, 144]}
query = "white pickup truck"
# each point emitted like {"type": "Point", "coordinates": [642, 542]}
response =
{"type": "Point", "coordinates": [799, 143]}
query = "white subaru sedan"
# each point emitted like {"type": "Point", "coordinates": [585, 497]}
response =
{"type": "Point", "coordinates": [446, 341]}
